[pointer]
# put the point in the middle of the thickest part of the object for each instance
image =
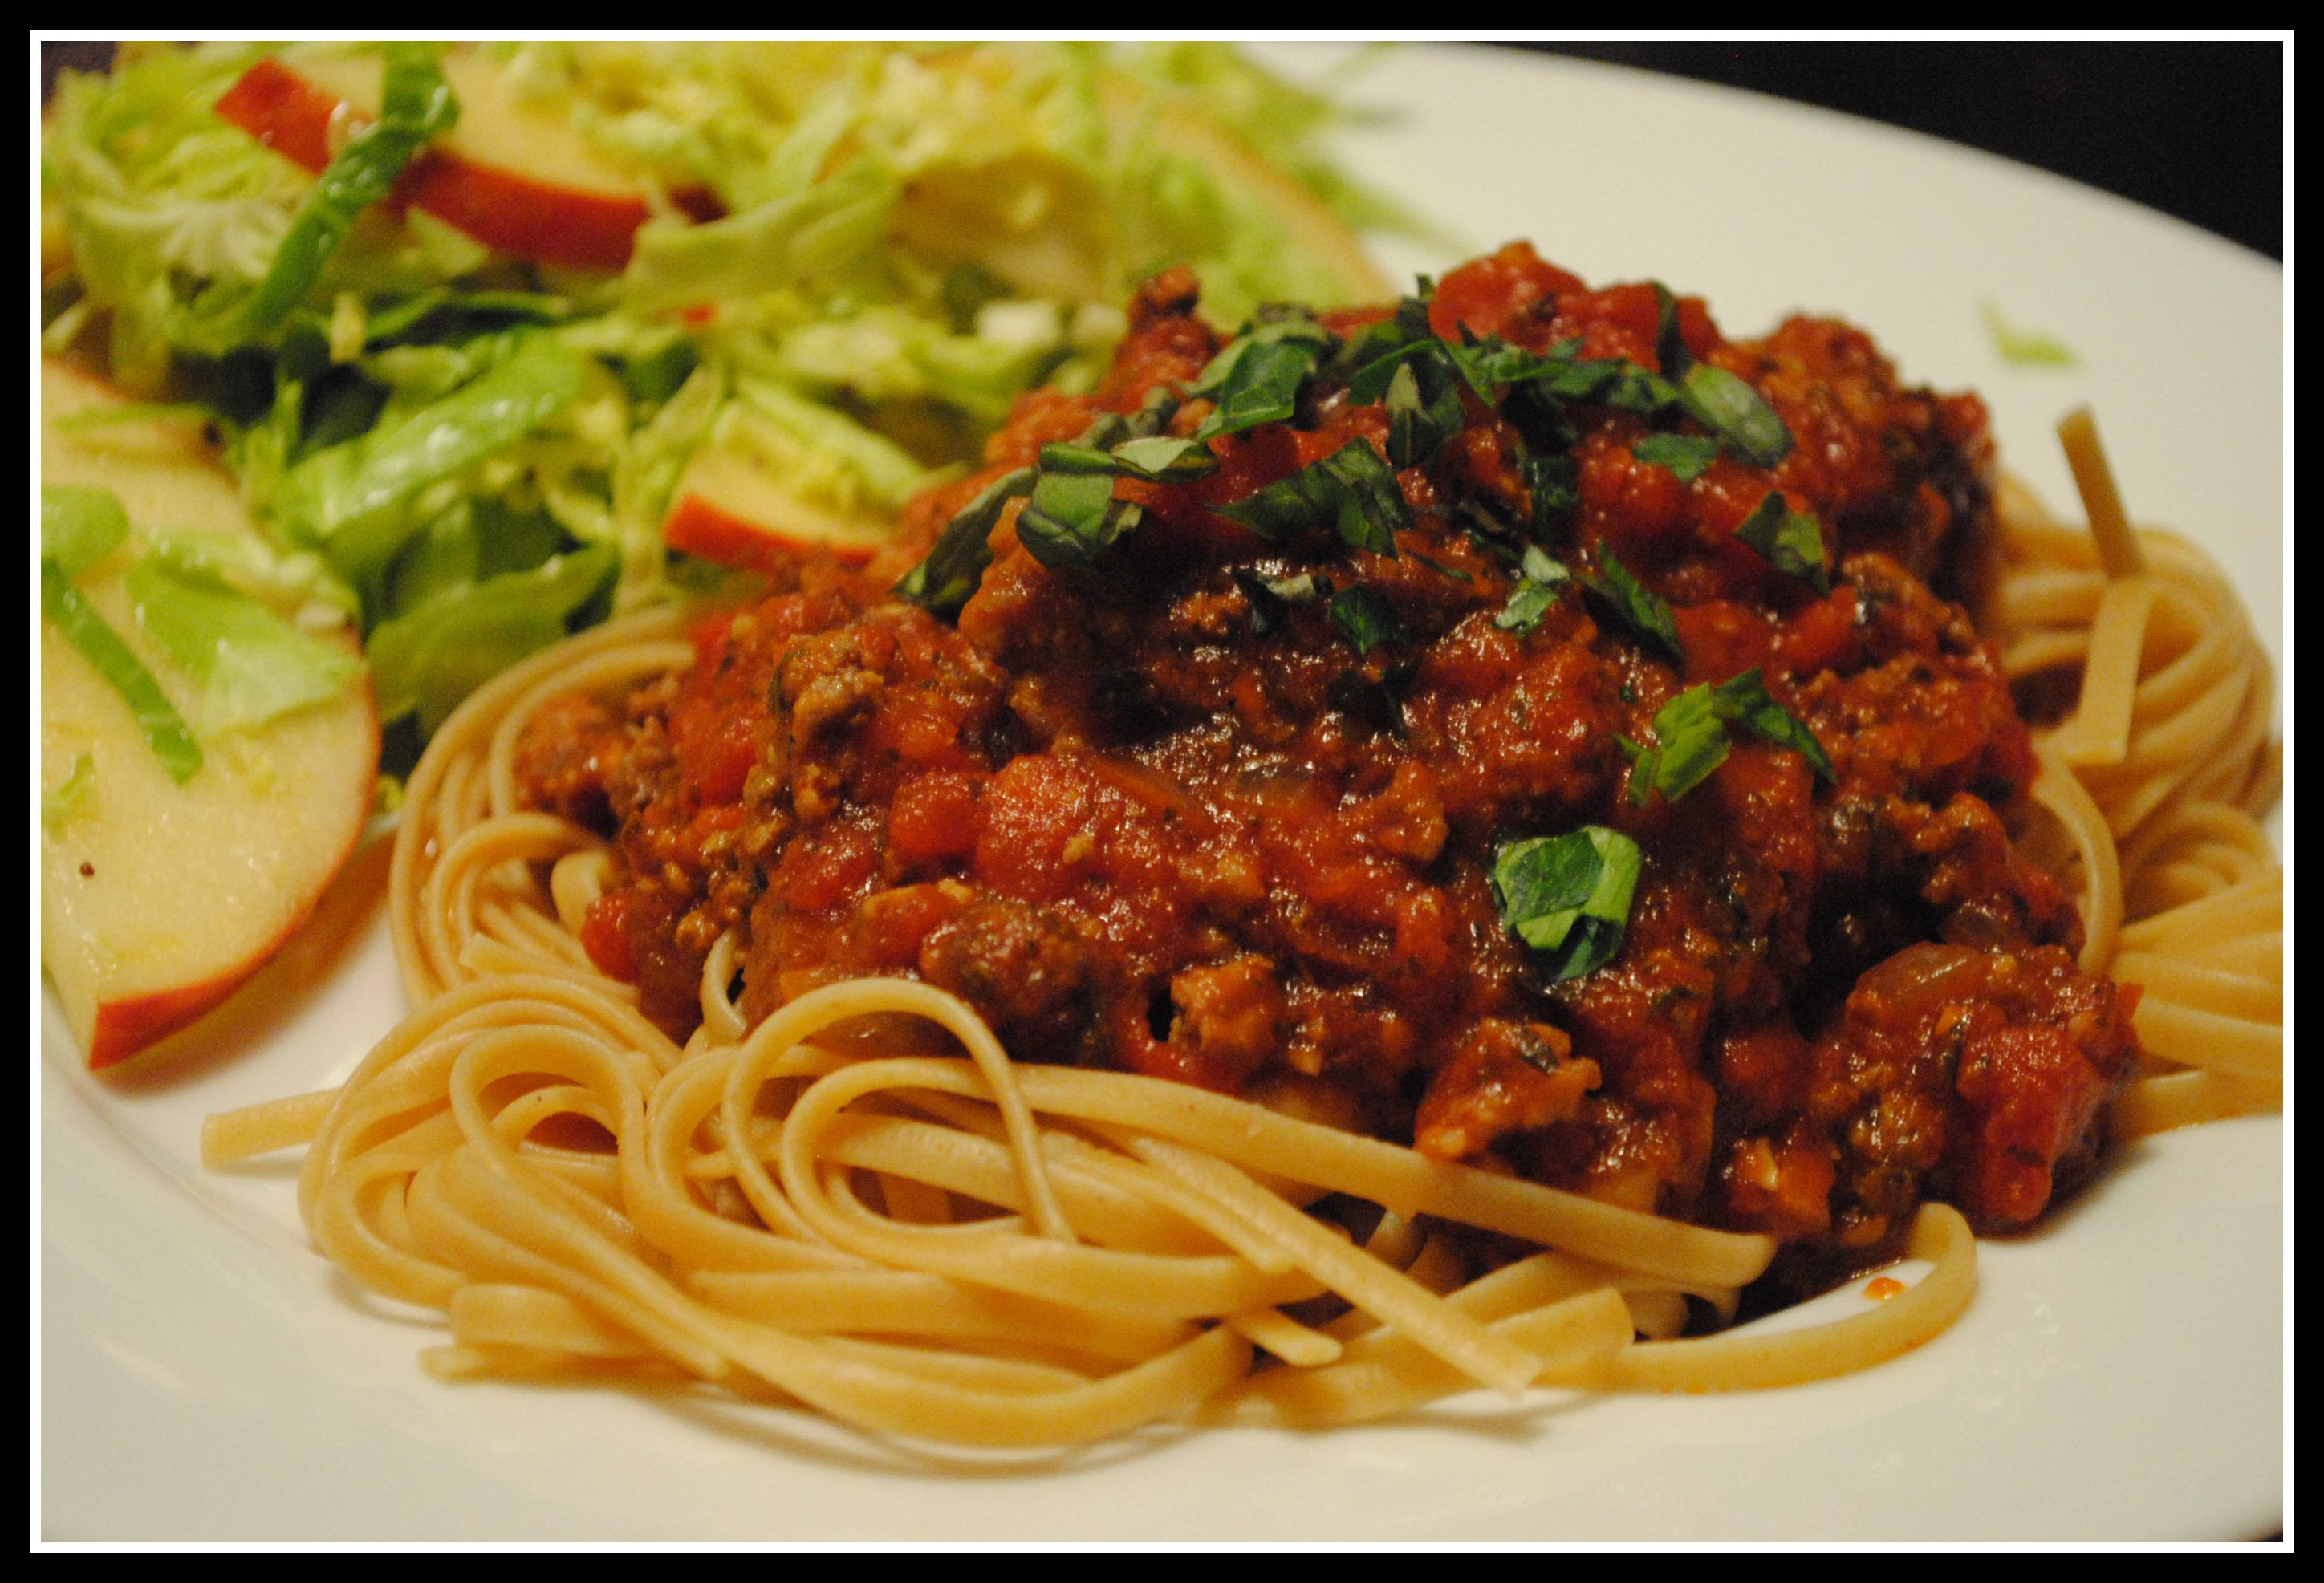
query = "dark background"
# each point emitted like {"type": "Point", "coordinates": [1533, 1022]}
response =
{"type": "Point", "coordinates": [2195, 129]}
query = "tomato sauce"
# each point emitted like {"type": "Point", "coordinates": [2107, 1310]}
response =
{"type": "Point", "coordinates": [1141, 822]}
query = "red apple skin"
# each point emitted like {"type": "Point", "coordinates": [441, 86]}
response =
{"type": "Point", "coordinates": [128, 1024]}
{"type": "Point", "coordinates": [125, 1027]}
{"type": "Point", "coordinates": [700, 526]}
{"type": "Point", "coordinates": [506, 210]}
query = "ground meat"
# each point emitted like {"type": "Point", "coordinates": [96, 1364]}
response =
{"type": "Point", "coordinates": [1024, 969]}
{"type": "Point", "coordinates": [1166, 815]}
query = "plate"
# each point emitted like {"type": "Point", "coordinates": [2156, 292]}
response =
{"type": "Point", "coordinates": [205, 1375]}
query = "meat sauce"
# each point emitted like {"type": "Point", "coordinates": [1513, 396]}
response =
{"type": "Point", "coordinates": [1139, 828]}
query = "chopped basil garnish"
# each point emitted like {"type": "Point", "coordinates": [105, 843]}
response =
{"type": "Point", "coordinates": [1161, 459]}
{"type": "Point", "coordinates": [1071, 518]}
{"type": "Point", "coordinates": [1353, 488]}
{"type": "Point", "coordinates": [945, 580]}
{"type": "Point", "coordinates": [1568, 896]}
{"type": "Point", "coordinates": [1691, 737]}
{"type": "Point", "coordinates": [1271, 598]}
{"type": "Point", "coordinates": [1689, 743]}
{"type": "Point", "coordinates": [1423, 411]}
{"type": "Point", "coordinates": [1077, 458]}
{"type": "Point", "coordinates": [1156, 459]}
{"type": "Point", "coordinates": [1614, 383]}
{"type": "Point", "coordinates": [1792, 541]}
{"type": "Point", "coordinates": [1377, 703]}
{"type": "Point", "coordinates": [1442, 568]}
{"type": "Point", "coordinates": [1370, 359]}
{"type": "Point", "coordinates": [1255, 379]}
{"type": "Point", "coordinates": [1745, 701]}
{"type": "Point", "coordinates": [1730, 409]}
{"type": "Point", "coordinates": [1634, 604]}
{"type": "Point", "coordinates": [1670, 346]}
{"type": "Point", "coordinates": [1555, 481]}
{"type": "Point", "coordinates": [1364, 619]}
{"type": "Point", "coordinates": [1683, 455]}
{"type": "Point", "coordinates": [1541, 579]}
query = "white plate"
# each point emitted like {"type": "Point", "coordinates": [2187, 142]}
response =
{"type": "Point", "coordinates": [205, 1374]}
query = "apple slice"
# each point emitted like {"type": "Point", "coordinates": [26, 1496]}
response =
{"type": "Point", "coordinates": [157, 899]}
{"type": "Point", "coordinates": [728, 508]}
{"type": "Point", "coordinates": [517, 176]}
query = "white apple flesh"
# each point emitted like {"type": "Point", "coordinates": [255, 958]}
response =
{"type": "Point", "coordinates": [728, 508]}
{"type": "Point", "coordinates": [158, 899]}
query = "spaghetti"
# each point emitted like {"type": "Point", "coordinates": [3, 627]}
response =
{"type": "Point", "coordinates": [827, 1209]}
{"type": "Point", "coordinates": [2156, 780]}
{"type": "Point", "coordinates": [960, 1249]}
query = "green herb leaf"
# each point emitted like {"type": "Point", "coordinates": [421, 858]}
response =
{"type": "Point", "coordinates": [1271, 598]}
{"type": "Point", "coordinates": [1568, 896]}
{"type": "Point", "coordinates": [1078, 458]}
{"type": "Point", "coordinates": [1353, 488]}
{"type": "Point", "coordinates": [1423, 411]}
{"type": "Point", "coordinates": [1442, 568]}
{"type": "Point", "coordinates": [949, 574]}
{"type": "Point", "coordinates": [1683, 455]}
{"type": "Point", "coordinates": [1368, 360]}
{"type": "Point", "coordinates": [1730, 409]}
{"type": "Point", "coordinates": [1542, 579]}
{"type": "Point", "coordinates": [1745, 700]}
{"type": "Point", "coordinates": [1156, 459]}
{"type": "Point", "coordinates": [70, 797]}
{"type": "Point", "coordinates": [1488, 361]}
{"type": "Point", "coordinates": [1792, 541]}
{"type": "Point", "coordinates": [80, 525]}
{"type": "Point", "coordinates": [164, 729]}
{"type": "Point", "coordinates": [1072, 517]}
{"type": "Point", "coordinates": [1634, 604]}
{"type": "Point", "coordinates": [1364, 619]}
{"type": "Point", "coordinates": [1256, 378]}
{"type": "Point", "coordinates": [1670, 346]}
{"type": "Point", "coordinates": [1689, 743]}
{"type": "Point", "coordinates": [1612, 381]}
{"type": "Point", "coordinates": [1163, 459]}
{"type": "Point", "coordinates": [1691, 736]}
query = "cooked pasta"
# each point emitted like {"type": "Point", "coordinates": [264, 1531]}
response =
{"type": "Point", "coordinates": [850, 1197]}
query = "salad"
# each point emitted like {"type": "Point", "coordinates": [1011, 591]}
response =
{"type": "Point", "coordinates": [502, 340]}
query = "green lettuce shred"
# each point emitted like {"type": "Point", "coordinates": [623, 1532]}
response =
{"type": "Point", "coordinates": [70, 798]}
{"type": "Point", "coordinates": [902, 241]}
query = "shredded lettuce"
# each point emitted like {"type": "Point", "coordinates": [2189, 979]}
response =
{"type": "Point", "coordinates": [2024, 347]}
{"type": "Point", "coordinates": [70, 798]}
{"type": "Point", "coordinates": [253, 667]}
{"type": "Point", "coordinates": [344, 500]}
{"type": "Point", "coordinates": [415, 106]}
{"type": "Point", "coordinates": [164, 729]}
{"type": "Point", "coordinates": [425, 662]}
{"type": "Point", "coordinates": [81, 526]}
{"type": "Point", "coordinates": [293, 584]}
{"type": "Point", "coordinates": [905, 239]}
